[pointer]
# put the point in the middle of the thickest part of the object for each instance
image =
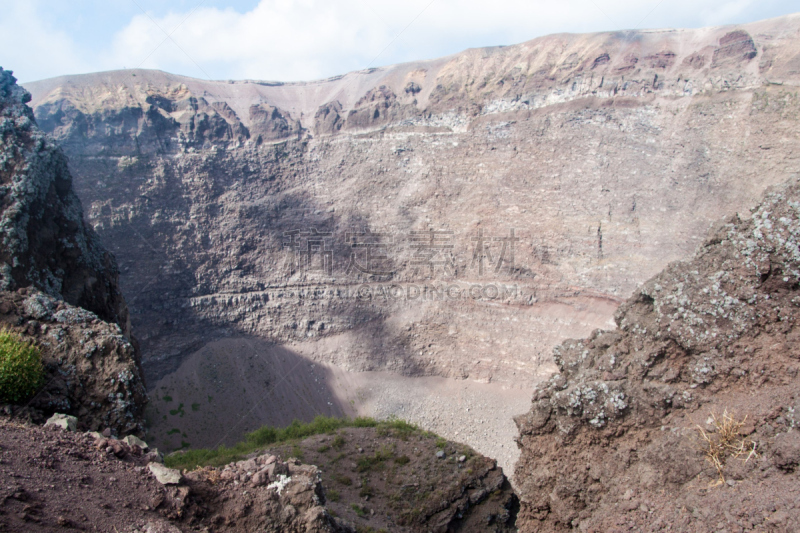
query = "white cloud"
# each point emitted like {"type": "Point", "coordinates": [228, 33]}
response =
{"type": "Point", "coordinates": [31, 47]}
{"type": "Point", "coordinates": [276, 40]}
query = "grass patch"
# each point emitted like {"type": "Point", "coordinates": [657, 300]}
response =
{"type": "Point", "coordinates": [366, 491]}
{"type": "Point", "coordinates": [342, 480]}
{"type": "Point", "coordinates": [376, 460]}
{"type": "Point", "coordinates": [338, 442]}
{"type": "Point", "coordinates": [297, 452]}
{"type": "Point", "coordinates": [360, 511]}
{"type": "Point", "coordinates": [173, 431]}
{"type": "Point", "coordinates": [166, 398]}
{"type": "Point", "coordinates": [195, 407]}
{"type": "Point", "coordinates": [333, 495]}
{"type": "Point", "coordinates": [269, 435]}
{"type": "Point", "coordinates": [324, 448]}
{"type": "Point", "coordinates": [396, 427]}
{"type": "Point", "coordinates": [21, 370]}
{"type": "Point", "coordinates": [402, 460]}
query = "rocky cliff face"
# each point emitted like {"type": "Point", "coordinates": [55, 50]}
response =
{"type": "Point", "coordinates": [686, 414]}
{"type": "Point", "coordinates": [45, 242]}
{"type": "Point", "coordinates": [58, 285]}
{"type": "Point", "coordinates": [559, 174]}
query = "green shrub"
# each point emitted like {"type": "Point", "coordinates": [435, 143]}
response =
{"type": "Point", "coordinates": [21, 371]}
{"type": "Point", "coordinates": [297, 452]}
{"type": "Point", "coordinates": [338, 442]}
{"type": "Point", "coordinates": [333, 495]}
{"type": "Point", "coordinates": [375, 461]}
{"type": "Point", "coordinates": [342, 479]}
{"type": "Point", "coordinates": [360, 511]}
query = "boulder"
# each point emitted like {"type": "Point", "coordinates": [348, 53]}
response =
{"type": "Point", "coordinates": [70, 423]}
{"type": "Point", "coordinates": [261, 478]}
{"type": "Point", "coordinates": [164, 475]}
{"type": "Point", "coordinates": [133, 440]}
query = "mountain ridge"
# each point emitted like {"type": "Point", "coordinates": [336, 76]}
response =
{"type": "Point", "coordinates": [397, 77]}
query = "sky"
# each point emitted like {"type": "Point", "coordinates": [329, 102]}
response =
{"type": "Point", "coordinates": [293, 40]}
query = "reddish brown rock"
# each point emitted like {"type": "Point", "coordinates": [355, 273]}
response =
{"type": "Point", "coordinates": [709, 338]}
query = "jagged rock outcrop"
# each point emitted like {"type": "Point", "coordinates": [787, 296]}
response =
{"type": "Point", "coordinates": [45, 242]}
{"type": "Point", "coordinates": [58, 284]}
{"type": "Point", "coordinates": [618, 438]}
{"type": "Point", "coordinates": [267, 123]}
{"type": "Point", "coordinates": [91, 368]}
{"type": "Point", "coordinates": [259, 494]}
{"type": "Point", "coordinates": [407, 481]}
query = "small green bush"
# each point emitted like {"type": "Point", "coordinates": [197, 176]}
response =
{"type": "Point", "coordinates": [360, 511]}
{"type": "Point", "coordinates": [338, 442]}
{"type": "Point", "coordinates": [21, 371]}
{"type": "Point", "coordinates": [375, 461]}
{"type": "Point", "coordinates": [342, 479]}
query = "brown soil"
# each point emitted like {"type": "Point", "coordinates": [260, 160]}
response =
{"type": "Point", "coordinates": [620, 439]}
{"type": "Point", "coordinates": [53, 480]}
{"type": "Point", "coordinates": [394, 481]}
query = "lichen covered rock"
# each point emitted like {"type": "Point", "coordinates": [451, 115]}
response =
{"type": "Point", "coordinates": [44, 241]}
{"type": "Point", "coordinates": [91, 369]}
{"type": "Point", "coordinates": [616, 439]}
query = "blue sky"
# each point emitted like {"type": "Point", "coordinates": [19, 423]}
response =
{"type": "Point", "coordinates": [306, 39]}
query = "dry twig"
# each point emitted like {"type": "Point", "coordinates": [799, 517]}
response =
{"type": "Point", "coordinates": [725, 441]}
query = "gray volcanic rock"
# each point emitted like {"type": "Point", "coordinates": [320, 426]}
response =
{"type": "Point", "coordinates": [91, 368]}
{"type": "Point", "coordinates": [45, 242]}
{"type": "Point", "coordinates": [617, 440]}
{"type": "Point", "coordinates": [608, 154]}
